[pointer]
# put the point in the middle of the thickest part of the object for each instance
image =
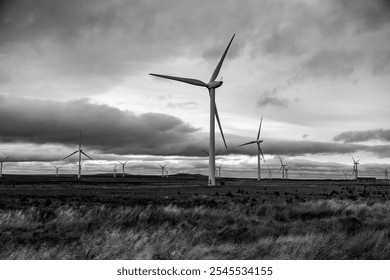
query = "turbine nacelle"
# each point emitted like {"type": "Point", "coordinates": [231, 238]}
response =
{"type": "Point", "coordinates": [215, 84]}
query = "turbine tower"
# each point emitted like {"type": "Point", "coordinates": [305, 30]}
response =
{"type": "Point", "coordinates": [259, 151]}
{"type": "Point", "coordinates": [80, 151]}
{"type": "Point", "coordinates": [270, 173]}
{"type": "Point", "coordinates": [57, 168]}
{"type": "Point", "coordinates": [123, 167]}
{"type": "Point", "coordinates": [386, 175]}
{"type": "Point", "coordinates": [355, 168]}
{"type": "Point", "coordinates": [211, 86]}
{"type": "Point", "coordinates": [1, 165]}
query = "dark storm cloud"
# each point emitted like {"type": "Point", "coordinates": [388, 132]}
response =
{"type": "Point", "coordinates": [362, 136]}
{"type": "Point", "coordinates": [104, 128]}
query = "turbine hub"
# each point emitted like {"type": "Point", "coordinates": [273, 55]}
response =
{"type": "Point", "coordinates": [215, 84]}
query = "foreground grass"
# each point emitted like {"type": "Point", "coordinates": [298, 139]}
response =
{"type": "Point", "coordinates": [320, 229]}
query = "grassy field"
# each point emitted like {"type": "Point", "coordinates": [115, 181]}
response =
{"type": "Point", "coordinates": [180, 218]}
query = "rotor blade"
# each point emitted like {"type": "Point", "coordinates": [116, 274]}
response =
{"type": "Point", "coordinates": [207, 153]}
{"type": "Point", "coordinates": [258, 133]}
{"type": "Point", "coordinates": [194, 82]}
{"type": "Point", "coordinates": [219, 124]}
{"type": "Point", "coordinates": [261, 152]}
{"type": "Point", "coordinates": [216, 71]}
{"type": "Point", "coordinates": [3, 159]}
{"type": "Point", "coordinates": [217, 153]}
{"type": "Point", "coordinates": [54, 166]}
{"type": "Point", "coordinates": [70, 155]}
{"type": "Point", "coordinates": [251, 142]}
{"type": "Point", "coordinates": [86, 155]}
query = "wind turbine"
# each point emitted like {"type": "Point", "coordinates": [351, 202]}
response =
{"type": "Point", "coordinates": [355, 168]}
{"type": "Point", "coordinates": [1, 165]}
{"type": "Point", "coordinates": [123, 167]}
{"type": "Point", "coordinates": [57, 168]}
{"type": "Point", "coordinates": [287, 168]}
{"type": "Point", "coordinates": [259, 151]}
{"type": "Point", "coordinates": [282, 167]}
{"type": "Point", "coordinates": [219, 170]}
{"type": "Point", "coordinates": [166, 172]}
{"type": "Point", "coordinates": [345, 174]}
{"type": "Point", "coordinates": [80, 151]}
{"type": "Point", "coordinates": [211, 86]}
{"type": "Point", "coordinates": [114, 171]}
{"type": "Point", "coordinates": [270, 173]}
{"type": "Point", "coordinates": [163, 169]}
{"type": "Point", "coordinates": [386, 175]}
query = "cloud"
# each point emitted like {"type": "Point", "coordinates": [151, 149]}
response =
{"type": "Point", "coordinates": [363, 136]}
{"type": "Point", "coordinates": [269, 98]}
{"type": "Point", "coordinates": [183, 105]}
{"type": "Point", "coordinates": [103, 127]}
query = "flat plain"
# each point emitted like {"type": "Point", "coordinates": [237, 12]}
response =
{"type": "Point", "coordinates": [147, 217]}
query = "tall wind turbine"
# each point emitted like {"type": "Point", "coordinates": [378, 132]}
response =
{"type": "Point", "coordinates": [355, 168]}
{"type": "Point", "coordinates": [57, 168]}
{"type": "Point", "coordinates": [211, 86]}
{"type": "Point", "coordinates": [123, 167]}
{"type": "Point", "coordinates": [80, 151]}
{"type": "Point", "coordinates": [259, 151]}
{"type": "Point", "coordinates": [1, 165]}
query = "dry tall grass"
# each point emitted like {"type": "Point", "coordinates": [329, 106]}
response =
{"type": "Point", "coordinates": [321, 229]}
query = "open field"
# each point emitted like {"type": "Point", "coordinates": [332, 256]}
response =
{"type": "Point", "coordinates": [98, 217]}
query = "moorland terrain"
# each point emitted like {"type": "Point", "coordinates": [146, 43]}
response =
{"type": "Point", "coordinates": [147, 217]}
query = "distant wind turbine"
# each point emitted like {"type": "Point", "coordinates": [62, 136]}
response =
{"type": "Point", "coordinates": [287, 168]}
{"type": "Point", "coordinates": [211, 86]}
{"type": "Point", "coordinates": [114, 170]}
{"type": "Point", "coordinates": [219, 170]}
{"type": "Point", "coordinates": [57, 168]}
{"type": "Point", "coordinates": [270, 173]}
{"type": "Point", "coordinates": [282, 167]}
{"type": "Point", "coordinates": [2, 160]}
{"type": "Point", "coordinates": [80, 151]}
{"type": "Point", "coordinates": [166, 172]}
{"type": "Point", "coordinates": [163, 169]}
{"type": "Point", "coordinates": [386, 175]}
{"type": "Point", "coordinates": [259, 151]}
{"type": "Point", "coordinates": [123, 167]}
{"type": "Point", "coordinates": [355, 168]}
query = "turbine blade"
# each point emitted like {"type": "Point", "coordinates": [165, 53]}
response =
{"type": "Point", "coordinates": [86, 155]}
{"type": "Point", "coordinates": [258, 133]}
{"type": "Point", "coordinates": [219, 124]}
{"type": "Point", "coordinates": [218, 68]}
{"type": "Point", "coordinates": [217, 153]}
{"type": "Point", "coordinates": [207, 153]}
{"type": "Point", "coordinates": [70, 155]}
{"type": "Point", "coordinates": [251, 142]}
{"type": "Point", "coordinates": [54, 166]}
{"type": "Point", "coordinates": [194, 82]}
{"type": "Point", "coordinates": [261, 152]}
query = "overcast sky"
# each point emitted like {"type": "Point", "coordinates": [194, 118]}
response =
{"type": "Point", "coordinates": [317, 71]}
